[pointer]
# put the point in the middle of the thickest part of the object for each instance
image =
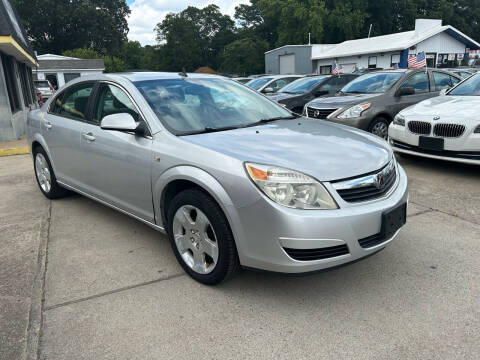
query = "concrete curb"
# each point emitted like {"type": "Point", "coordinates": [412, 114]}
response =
{"type": "Point", "coordinates": [14, 151]}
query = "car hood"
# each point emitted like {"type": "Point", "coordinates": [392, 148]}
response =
{"type": "Point", "coordinates": [457, 107]}
{"type": "Point", "coordinates": [282, 96]}
{"type": "Point", "coordinates": [338, 101]}
{"type": "Point", "coordinates": [324, 150]}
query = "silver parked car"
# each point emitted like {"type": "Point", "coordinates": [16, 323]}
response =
{"type": "Point", "coordinates": [233, 178]}
{"type": "Point", "coordinates": [45, 88]}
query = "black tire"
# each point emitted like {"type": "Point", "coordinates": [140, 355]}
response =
{"type": "Point", "coordinates": [56, 191]}
{"type": "Point", "coordinates": [376, 123]}
{"type": "Point", "coordinates": [228, 263]}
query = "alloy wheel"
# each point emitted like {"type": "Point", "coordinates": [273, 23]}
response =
{"type": "Point", "coordinates": [381, 130]}
{"type": "Point", "coordinates": [42, 171]}
{"type": "Point", "coordinates": [195, 239]}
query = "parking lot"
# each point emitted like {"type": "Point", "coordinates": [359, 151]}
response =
{"type": "Point", "coordinates": [81, 281]}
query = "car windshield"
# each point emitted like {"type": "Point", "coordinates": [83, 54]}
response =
{"type": "Point", "coordinates": [196, 105]}
{"type": "Point", "coordinates": [372, 83]}
{"type": "Point", "coordinates": [258, 83]}
{"type": "Point", "coordinates": [42, 84]}
{"type": "Point", "coordinates": [470, 87]}
{"type": "Point", "coordinates": [301, 86]}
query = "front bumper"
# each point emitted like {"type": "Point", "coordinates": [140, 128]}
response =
{"type": "Point", "coordinates": [464, 149]}
{"type": "Point", "coordinates": [361, 122]}
{"type": "Point", "coordinates": [269, 228]}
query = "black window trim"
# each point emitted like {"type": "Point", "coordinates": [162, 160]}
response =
{"type": "Point", "coordinates": [88, 112]}
{"type": "Point", "coordinates": [95, 97]}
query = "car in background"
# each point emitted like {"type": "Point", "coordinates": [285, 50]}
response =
{"type": "Point", "coordinates": [271, 83]}
{"type": "Point", "coordinates": [233, 178]}
{"type": "Point", "coordinates": [371, 101]}
{"type": "Point", "coordinates": [45, 88]}
{"type": "Point", "coordinates": [446, 127]}
{"type": "Point", "coordinates": [242, 80]}
{"type": "Point", "coordinates": [295, 95]}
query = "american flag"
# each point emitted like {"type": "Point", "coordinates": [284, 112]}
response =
{"type": "Point", "coordinates": [417, 62]}
{"type": "Point", "coordinates": [336, 69]}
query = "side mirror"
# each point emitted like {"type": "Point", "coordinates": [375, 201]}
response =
{"type": "Point", "coordinates": [443, 92]}
{"type": "Point", "coordinates": [321, 92]}
{"type": "Point", "coordinates": [119, 122]}
{"type": "Point", "coordinates": [268, 90]}
{"type": "Point", "coordinates": [405, 91]}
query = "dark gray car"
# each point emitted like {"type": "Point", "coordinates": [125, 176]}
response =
{"type": "Point", "coordinates": [371, 101]}
{"type": "Point", "coordinates": [295, 95]}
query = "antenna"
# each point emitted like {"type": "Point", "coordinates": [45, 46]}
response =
{"type": "Point", "coordinates": [370, 30]}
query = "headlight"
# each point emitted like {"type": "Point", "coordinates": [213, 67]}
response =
{"type": "Point", "coordinates": [290, 188]}
{"type": "Point", "coordinates": [399, 120]}
{"type": "Point", "coordinates": [354, 111]}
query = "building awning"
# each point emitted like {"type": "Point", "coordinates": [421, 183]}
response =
{"type": "Point", "coordinates": [10, 46]}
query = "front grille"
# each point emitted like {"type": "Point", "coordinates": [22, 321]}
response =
{"type": "Point", "coordinates": [448, 130]}
{"type": "Point", "coordinates": [372, 240]}
{"type": "Point", "coordinates": [420, 127]}
{"type": "Point", "coordinates": [319, 113]}
{"type": "Point", "coordinates": [317, 254]}
{"type": "Point", "coordinates": [377, 185]}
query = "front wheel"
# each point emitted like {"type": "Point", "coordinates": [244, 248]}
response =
{"type": "Point", "coordinates": [201, 237]}
{"type": "Point", "coordinates": [379, 127]}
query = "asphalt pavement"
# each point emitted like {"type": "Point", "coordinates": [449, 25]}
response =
{"type": "Point", "coordinates": [81, 281]}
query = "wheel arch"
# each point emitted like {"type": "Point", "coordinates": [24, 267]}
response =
{"type": "Point", "coordinates": [179, 178]}
{"type": "Point", "coordinates": [39, 141]}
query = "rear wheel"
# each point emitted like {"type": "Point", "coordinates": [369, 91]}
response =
{"type": "Point", "coordinates": [201, 237]}
{"type": "Point", "coordinates": [379, 127]}
{"type": "Point", "coordinates": [45, 176]}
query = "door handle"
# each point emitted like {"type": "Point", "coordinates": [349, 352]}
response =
{"type": "Point", "coordinates": [89, 137]}
{"type": "Point", "coordinates": [48, 124]}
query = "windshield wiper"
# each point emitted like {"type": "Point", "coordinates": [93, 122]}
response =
{"type": "Point", "coordinates": [263, 121]}
{"type": "Point", "coordinates": [208, 129]}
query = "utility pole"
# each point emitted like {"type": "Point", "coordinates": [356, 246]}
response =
{"type": "Point", "coordinates": [370, 30]}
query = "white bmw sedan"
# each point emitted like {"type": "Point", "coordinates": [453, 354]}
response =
{"type": "Point", "coordinates": [446, 127]}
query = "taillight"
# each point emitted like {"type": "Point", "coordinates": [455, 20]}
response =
{"type": "Point", "coordinates": [50, 86]}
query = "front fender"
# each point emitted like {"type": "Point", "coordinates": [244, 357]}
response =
{"type": "Point", "coordinates": [206, 182]}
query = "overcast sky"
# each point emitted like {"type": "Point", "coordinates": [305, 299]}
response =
{"type": "Point", "coordinates": [146, 14]}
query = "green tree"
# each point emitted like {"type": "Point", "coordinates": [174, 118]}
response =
{"type": "Point", "coordinates": [54, 26]}
{"type": "Point", "coordinates": [244, 57]}
{"type": "Point", "coordinates": [194, 37]}
{"type": "Point", "coordinates": [112, 63]}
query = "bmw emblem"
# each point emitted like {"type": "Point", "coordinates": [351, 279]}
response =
{"type": "Point", "coordinates": [436, 117]}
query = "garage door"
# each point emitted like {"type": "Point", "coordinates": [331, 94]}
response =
{"type": "Point", "coordinates": [287, 64]}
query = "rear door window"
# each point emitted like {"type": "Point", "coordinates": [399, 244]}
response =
{"type": "Point", "coordinates": [443, 81]}
{"type": "Point", "coordinates": [419, 82]}
{"type": "Point", "coordinates": [73, 102]}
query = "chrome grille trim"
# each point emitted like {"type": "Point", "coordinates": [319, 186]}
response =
{"type": "Point", "coordinates": [420, 127]}
{"type": "Point", "coordinates": [319, 113]}
{"type": "Point", "coordinates": [448, 130]}
{"type": "Point", "coordinates": [369, 187]}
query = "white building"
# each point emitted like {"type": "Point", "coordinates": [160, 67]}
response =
{"type": "Point", "coordinates": [61, 69]}
{"type": "Point", "coordinates": [444, 46]}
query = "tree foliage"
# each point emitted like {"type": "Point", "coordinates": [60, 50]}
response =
{"type": "Point", "coordinates": [54, 26]}
{"type": "Point", "coordinates": [198, 37]}
{"type": "Point", "coordinates": [112, 63]}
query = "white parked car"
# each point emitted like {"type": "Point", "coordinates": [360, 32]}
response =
{"type": "Point", "coordinates": [446, 127]}
{"type": "Point", "coordinates": [271, 83]}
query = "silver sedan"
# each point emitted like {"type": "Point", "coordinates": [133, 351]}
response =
{"type": "Point", "coordinates": [234, 179]}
